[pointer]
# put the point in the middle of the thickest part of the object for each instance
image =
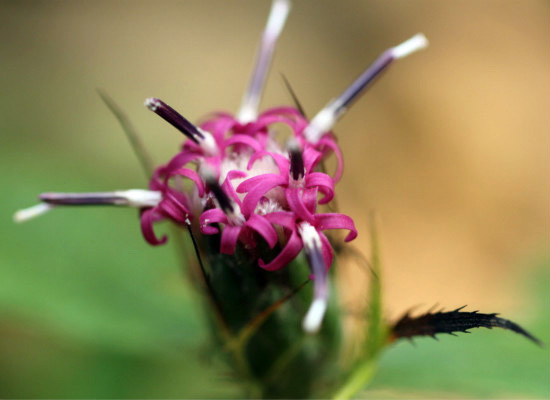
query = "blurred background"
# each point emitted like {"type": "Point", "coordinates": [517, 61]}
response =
{"type": "Point", "coordinates": [449, 148]}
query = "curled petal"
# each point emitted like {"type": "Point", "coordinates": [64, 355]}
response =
{"type": "Point", "coordinates": [212, 216]}
{"type": "Point", "coordinates": [331, 144]}
{"type": "Point", "coordinates": [297, 204]}
{"type": "Point", "coordinates": [311, 158]}
{"type": "Point", "coordinates": [248, 184]}
{"type": "Point", "coordinates": [148, 217]}
{"type": "Point", "coordinates": [254, 195]}
{"type": "Point", "coordinates": [230, 235]}
{"type": "Point", "coordinates": [280, 160]}
{"type": "Point", "coordinates": [227, 186]}
{"type": "Point", "coordinates": [336, 221]}
{"type": "Point", "coordinates": [285, 219]}
{"type": "Point", "coordinates": [328, 253]}
{"type": "Point", "coordinates": [287, 254]}
{"type": "Point", "coordinates": [324, 183]}
{"type": "Point", "coordinates": [264, 228]}
{"type": "Point", "coordinates": [243, 139]}
{"type": "Point", "coordinates": [189, 173]}
{"type": "Point", "coordinates": [179, 160]}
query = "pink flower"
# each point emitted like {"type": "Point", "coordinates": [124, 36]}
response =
{"type": "Point", "coordinates": [238, 181]}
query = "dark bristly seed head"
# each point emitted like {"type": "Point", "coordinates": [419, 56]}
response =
{"type": "Point", "coordinates": [223, 199]}
{"type": "Point", "coordinates": [297, 170]}
{"type": "Point", "coordinates": [82, 199]}
{"type": "Point", "coordinates": [174, 118]}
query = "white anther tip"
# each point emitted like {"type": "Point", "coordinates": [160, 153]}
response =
{"type": "Point", "coordinates": [415, 43]}
{"type": "Point", "coordinates": [277, 17]}
{"type": "Point", "coordinates": [31, 212]}
{"type": "Point", "coordinates": [314, 317]}
{"type": "Point", "coordinates": [151, 103]}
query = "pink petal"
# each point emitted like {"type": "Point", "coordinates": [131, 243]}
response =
{"type": "Point", "coordinates": [264, 228]}
{"type": "Point", "coordinates": [279, 159]}
{"type": "Point", "coordinates": [245, 140]}
{"type": "Point", "coordinates": [285, 219]}
{"type": "Point", "coordinates": [248, 184]}
{"type": "Point", "coordinates": [230, 235]}
{"type": "Point", "coordinates": [328, 253]}
{"type": "Point", "coordinates": [324, 183]}
{"type": "Point", "coordinates": [228, 185]}
{"type": "Point", "coordinates": [296, 204]}
{"type": "Point", "coordinates": [336, 221]}
{"type": "Point", "coordinates": [194, 177]}
{"type": "Point", "coordinates": [212, 216]}
{"type": "Point", "coordinates": [287, 254]}
{"type": "Point", "coordinates": [254, 195]}
{"type": "Point", "coordinates": [147, 218]}
{"type": "Point", "coordinates": [331, 144]}
{"type": "Point", "coordinates": [311, 158]}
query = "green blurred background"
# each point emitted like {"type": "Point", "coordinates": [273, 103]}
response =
{"type": "Point", "coordinates": [450, 148]}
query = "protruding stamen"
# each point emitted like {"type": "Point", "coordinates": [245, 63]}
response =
{"type": "Point", "coordinates": [131, 198]}
{"type": "Point", "coordinates": [227, 205]}
{"type": "Point", "coordinates": [174, 118]}
{"type": "Point", "coordinates": [297, 170]}
{"type": "Point", "coordinates": [251, 99]}
{"type": "Point", "coordinates": [313, 248]}
{"type": "Point", "coordinates": [327, 117]}
{"type": "Point", "coordinates": [32, 212]}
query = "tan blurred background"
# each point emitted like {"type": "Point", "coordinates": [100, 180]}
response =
{"type": "Point", "coordinates": [450, 147]}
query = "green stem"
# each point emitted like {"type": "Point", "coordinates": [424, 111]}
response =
{"type": "Point", "coordinates": [357, 380]}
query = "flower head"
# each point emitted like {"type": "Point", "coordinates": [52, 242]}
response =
{"type": "Point", "coordinates": [234, 179]}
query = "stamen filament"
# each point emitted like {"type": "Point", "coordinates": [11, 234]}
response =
{"type": "Point", "coordinates": [312, 246]}
{"type": "Point", "coordinates": [32, 212]}
{"type": "Point", "coordinates": [275, 23]}
{"type": "Point", "coordinates": [327, 117]}
{"type": "Point", "coordinates": [131, 198]}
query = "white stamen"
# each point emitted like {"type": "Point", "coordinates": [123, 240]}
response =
{"type": "Point", "coordinates": [275, 23]}
{"type": "Point", "coordinates": [310, 236]}
{"type": "Point", "coordinates": [32, 212]}
{"type": "Point", "coordinates": [277, 17]}
{"type": "Point", "coordinates": [208, 144]}
{"type": "Point", "coordinates": [415, 43]}
{"type": "Point", "coordinates": [321, 123]}
{"type": "Point", "coordinates": [140, 198]}
{"type": "Point", "coordinates": [152, 103]}
{"type": "Point", "coordinates": [314, 317]}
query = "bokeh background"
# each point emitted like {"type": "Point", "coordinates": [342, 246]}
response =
{"type": "Point", "coordinates": [449, 148]}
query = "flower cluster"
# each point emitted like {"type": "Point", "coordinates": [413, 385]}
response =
{"type": "Point", "coordinates": [235, 179]}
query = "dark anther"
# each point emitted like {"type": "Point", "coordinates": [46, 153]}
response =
{"type": "Point", "coordinates": [174, 118]}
